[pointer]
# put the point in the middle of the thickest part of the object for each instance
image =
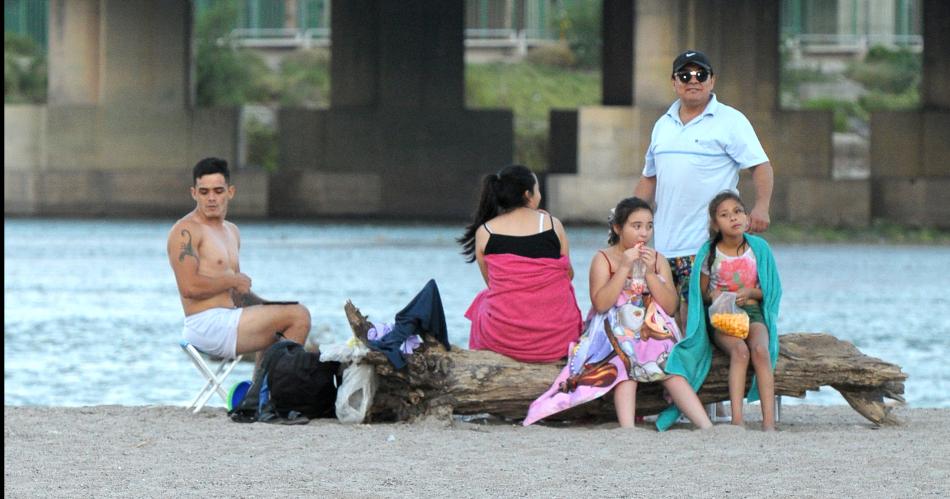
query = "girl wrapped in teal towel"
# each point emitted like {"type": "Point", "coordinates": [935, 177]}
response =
{"type": "Point", "coordinates": [738, 267]}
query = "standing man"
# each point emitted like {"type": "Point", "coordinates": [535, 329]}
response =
{"type": "Point", "coordinates": [222, 316]}
{"type": "Point", "coordinates": [696, 150]}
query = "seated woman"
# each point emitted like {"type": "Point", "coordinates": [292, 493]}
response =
{"type": "Point", "coordinates": [529, 311]}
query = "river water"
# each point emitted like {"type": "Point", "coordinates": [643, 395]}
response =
{"type": "Point", "coordinates": [92, 316]}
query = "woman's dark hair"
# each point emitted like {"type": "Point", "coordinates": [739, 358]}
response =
{"type": "Point", "coordinates": [501, 192]}
{"type": "Point", "coordinates": [620, 214]}
{"type": "Point", "coordinates": [715, 235]}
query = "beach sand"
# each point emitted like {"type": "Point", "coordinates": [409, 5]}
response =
{"type": "Point", "coordinates": [117, 451]}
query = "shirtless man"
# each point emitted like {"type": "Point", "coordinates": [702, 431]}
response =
{"type": "Point", "coordinates": [222, 316]}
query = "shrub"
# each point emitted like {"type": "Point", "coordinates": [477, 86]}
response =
{"type": "Point", "coordinates": [14, 43]}
{"type": "Point", "coordinates": [305, 79]}
{"type": "Point", "coordinates": [578, 22]}
{"type": "Point", "coordinates": [531, 144]}
{"type": "Point", "coordinates": [793, 77]}
{"type": "Point", "coordinates": [263, 149]}
{"type": "Point", "coordinates": [880, 101]}
{"type": "Point", "coordinates": [227, 76]}
{"type": "Point", "coordinates": [530, 91]}
{"type": "Point", "coordinates": [886, 70]}
{"type": "Point", "coordinates": [844, 111]}
{"type": "Point", "coordinates": [24, 70]}
{"type": "Point", "coordinates": [556, 54]}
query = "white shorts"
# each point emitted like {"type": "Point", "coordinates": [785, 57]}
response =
{"type": "Point", "coordinates": [214, 331]}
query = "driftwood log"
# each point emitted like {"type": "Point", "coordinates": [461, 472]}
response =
{"type": "Point", "coordinates": [441, 383]}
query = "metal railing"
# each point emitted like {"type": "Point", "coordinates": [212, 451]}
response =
{"type": "Point", "coordinates": [280, 37]}
{"type": "Point", "coordinates": [320, 37]}
{"type": "Point", "coordinates": [848, 43]}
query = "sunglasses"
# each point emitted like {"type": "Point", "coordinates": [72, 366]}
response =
{"type": "Point", "coordinates": [684, 76]}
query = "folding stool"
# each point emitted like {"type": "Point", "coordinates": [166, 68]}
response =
{"type": "Point", "coordinates": [213, 380]}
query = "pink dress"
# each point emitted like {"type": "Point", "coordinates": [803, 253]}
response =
{"type": "Point", "coordinates": [632, 340]}
{"type": "Point", "coordinates": [645, 334]}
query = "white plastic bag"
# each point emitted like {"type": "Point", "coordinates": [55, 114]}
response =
{"type": "Point", "coordinates": [354, 397]}
{"type": "Point", "coordinates": [728, 317]}
{"type": "Point", "coordinates": [351, 351]}
{"type": "Point", "coordinates": [355, 394]}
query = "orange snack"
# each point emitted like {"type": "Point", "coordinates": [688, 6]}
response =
{"type": "Point", "coordinates": [732, 324]}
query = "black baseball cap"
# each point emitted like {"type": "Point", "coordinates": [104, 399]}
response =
{"type": "Point", "coordinates": [692, 57]}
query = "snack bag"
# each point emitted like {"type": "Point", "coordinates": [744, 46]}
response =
{"type": "Point", "coordinates": [727, 317]}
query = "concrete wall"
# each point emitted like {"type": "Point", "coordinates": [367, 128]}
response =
{"type": "Point", "coordinates": [799, 143]}
{"type": "Point", "coordinates": [120, 52]}
{"type": "Point", "coordinates": [617, 24]}
{"type": "Point", "coordinates": [24, 153]}
{"type": "Point", "coordinates": [24, 136]}
{"type": "Point", "coordinates": [935, 82]}
{"type": "Point", "coordinates": [119, 135]}
{"type": "Point", "coordinates": [120, 132]}
{"type": "Point", "coordinates": [908, 150]}
{"type": "Point", "coordinates": [74, 52]}
{"type": "Point", "coordinates": [397, 140]}
{"type": "Point", "coordinates": [910, 172]}
{"type": "Point", "coordinates": [97, 160]}
{"type": "Point", "coordinates": [609, 160]}
{"type": "Point", "coordinates": [113, 138]}
{"type": "Point", "coordinates": [387, 162]}
{"type": "Point", "coordinates": [610, 150]}
{"type": "Point", "coordinates": [132, 193]}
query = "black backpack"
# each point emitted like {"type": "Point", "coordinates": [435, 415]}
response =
{"type": "Point", "coordinates": [291, 383]}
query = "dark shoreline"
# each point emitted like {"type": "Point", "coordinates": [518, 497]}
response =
{"type": "Point", "coordinates": [879, 233]}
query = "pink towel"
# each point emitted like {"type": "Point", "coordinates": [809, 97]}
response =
{"type": "Point", "coordinates": [562, 396]}
{"type": "Point", "coordinates": [528, 312]}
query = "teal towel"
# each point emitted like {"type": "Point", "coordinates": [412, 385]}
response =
{"type": "Point", "coordinates": [692, 357]}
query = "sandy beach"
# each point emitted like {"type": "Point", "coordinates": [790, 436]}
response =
{"type": "Point", "coordinates": [118, 451]}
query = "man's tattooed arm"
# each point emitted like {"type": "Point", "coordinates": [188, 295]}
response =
{"type": "Point", "coordinates": [186, 247]}
{"type": "Point", "coordinates": [245, 299]}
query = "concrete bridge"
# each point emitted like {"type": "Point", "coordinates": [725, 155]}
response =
{"type": "Point", "coordinates": [120, 130]}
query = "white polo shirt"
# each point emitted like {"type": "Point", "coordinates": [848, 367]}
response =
{"type": "Point", "coordinates": [692, 163]}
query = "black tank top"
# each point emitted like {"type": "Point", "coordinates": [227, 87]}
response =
{"type": "Point", "coordinates": [544, 244]}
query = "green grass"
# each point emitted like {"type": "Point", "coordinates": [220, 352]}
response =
{"type": "Point", "coordinates": [844, 111]}
{"type": "Point", "coordinates": [305, 79]}
{"type": "Point", "coordinates": [879, 232]}
{"type": "Point", "coordinates": [891, 76]}
{"type": "Point", "coordinates": [24, 70]}
{"type": "Point", "coordinates": [530, 91]}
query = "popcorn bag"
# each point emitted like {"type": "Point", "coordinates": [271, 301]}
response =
{"type": "Point", "coordinates": [727, 317]}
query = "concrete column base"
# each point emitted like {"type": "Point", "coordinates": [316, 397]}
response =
{"type": "Point", "coordinates": [909, 144]}
{"type": "Point", "coordinates": [301, 193]}
{"type": "Point", "coordinates": [580, 198]}
{"type": "Point", "coordinates": [125, 193]}
{"type": "Point", "coordinates": [920, 201]}
{"type": "Point", "coordinates": [611, 141]}
{"type": "Point", "coordinates": [389, 162]}
{"type": "Point", "coordinates": [108, 160]}
{"type": "Point", "coordinates": [834, 203]}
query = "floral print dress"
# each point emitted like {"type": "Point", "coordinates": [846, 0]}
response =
{"type": "Point", "coordinates": [635, 328]}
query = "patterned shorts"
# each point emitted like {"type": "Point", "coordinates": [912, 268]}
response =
{"type": "Point", "coordinates": [681, 266]}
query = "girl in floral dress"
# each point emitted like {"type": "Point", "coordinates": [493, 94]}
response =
{"type": "Point", "coordinates": [628, 333]}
